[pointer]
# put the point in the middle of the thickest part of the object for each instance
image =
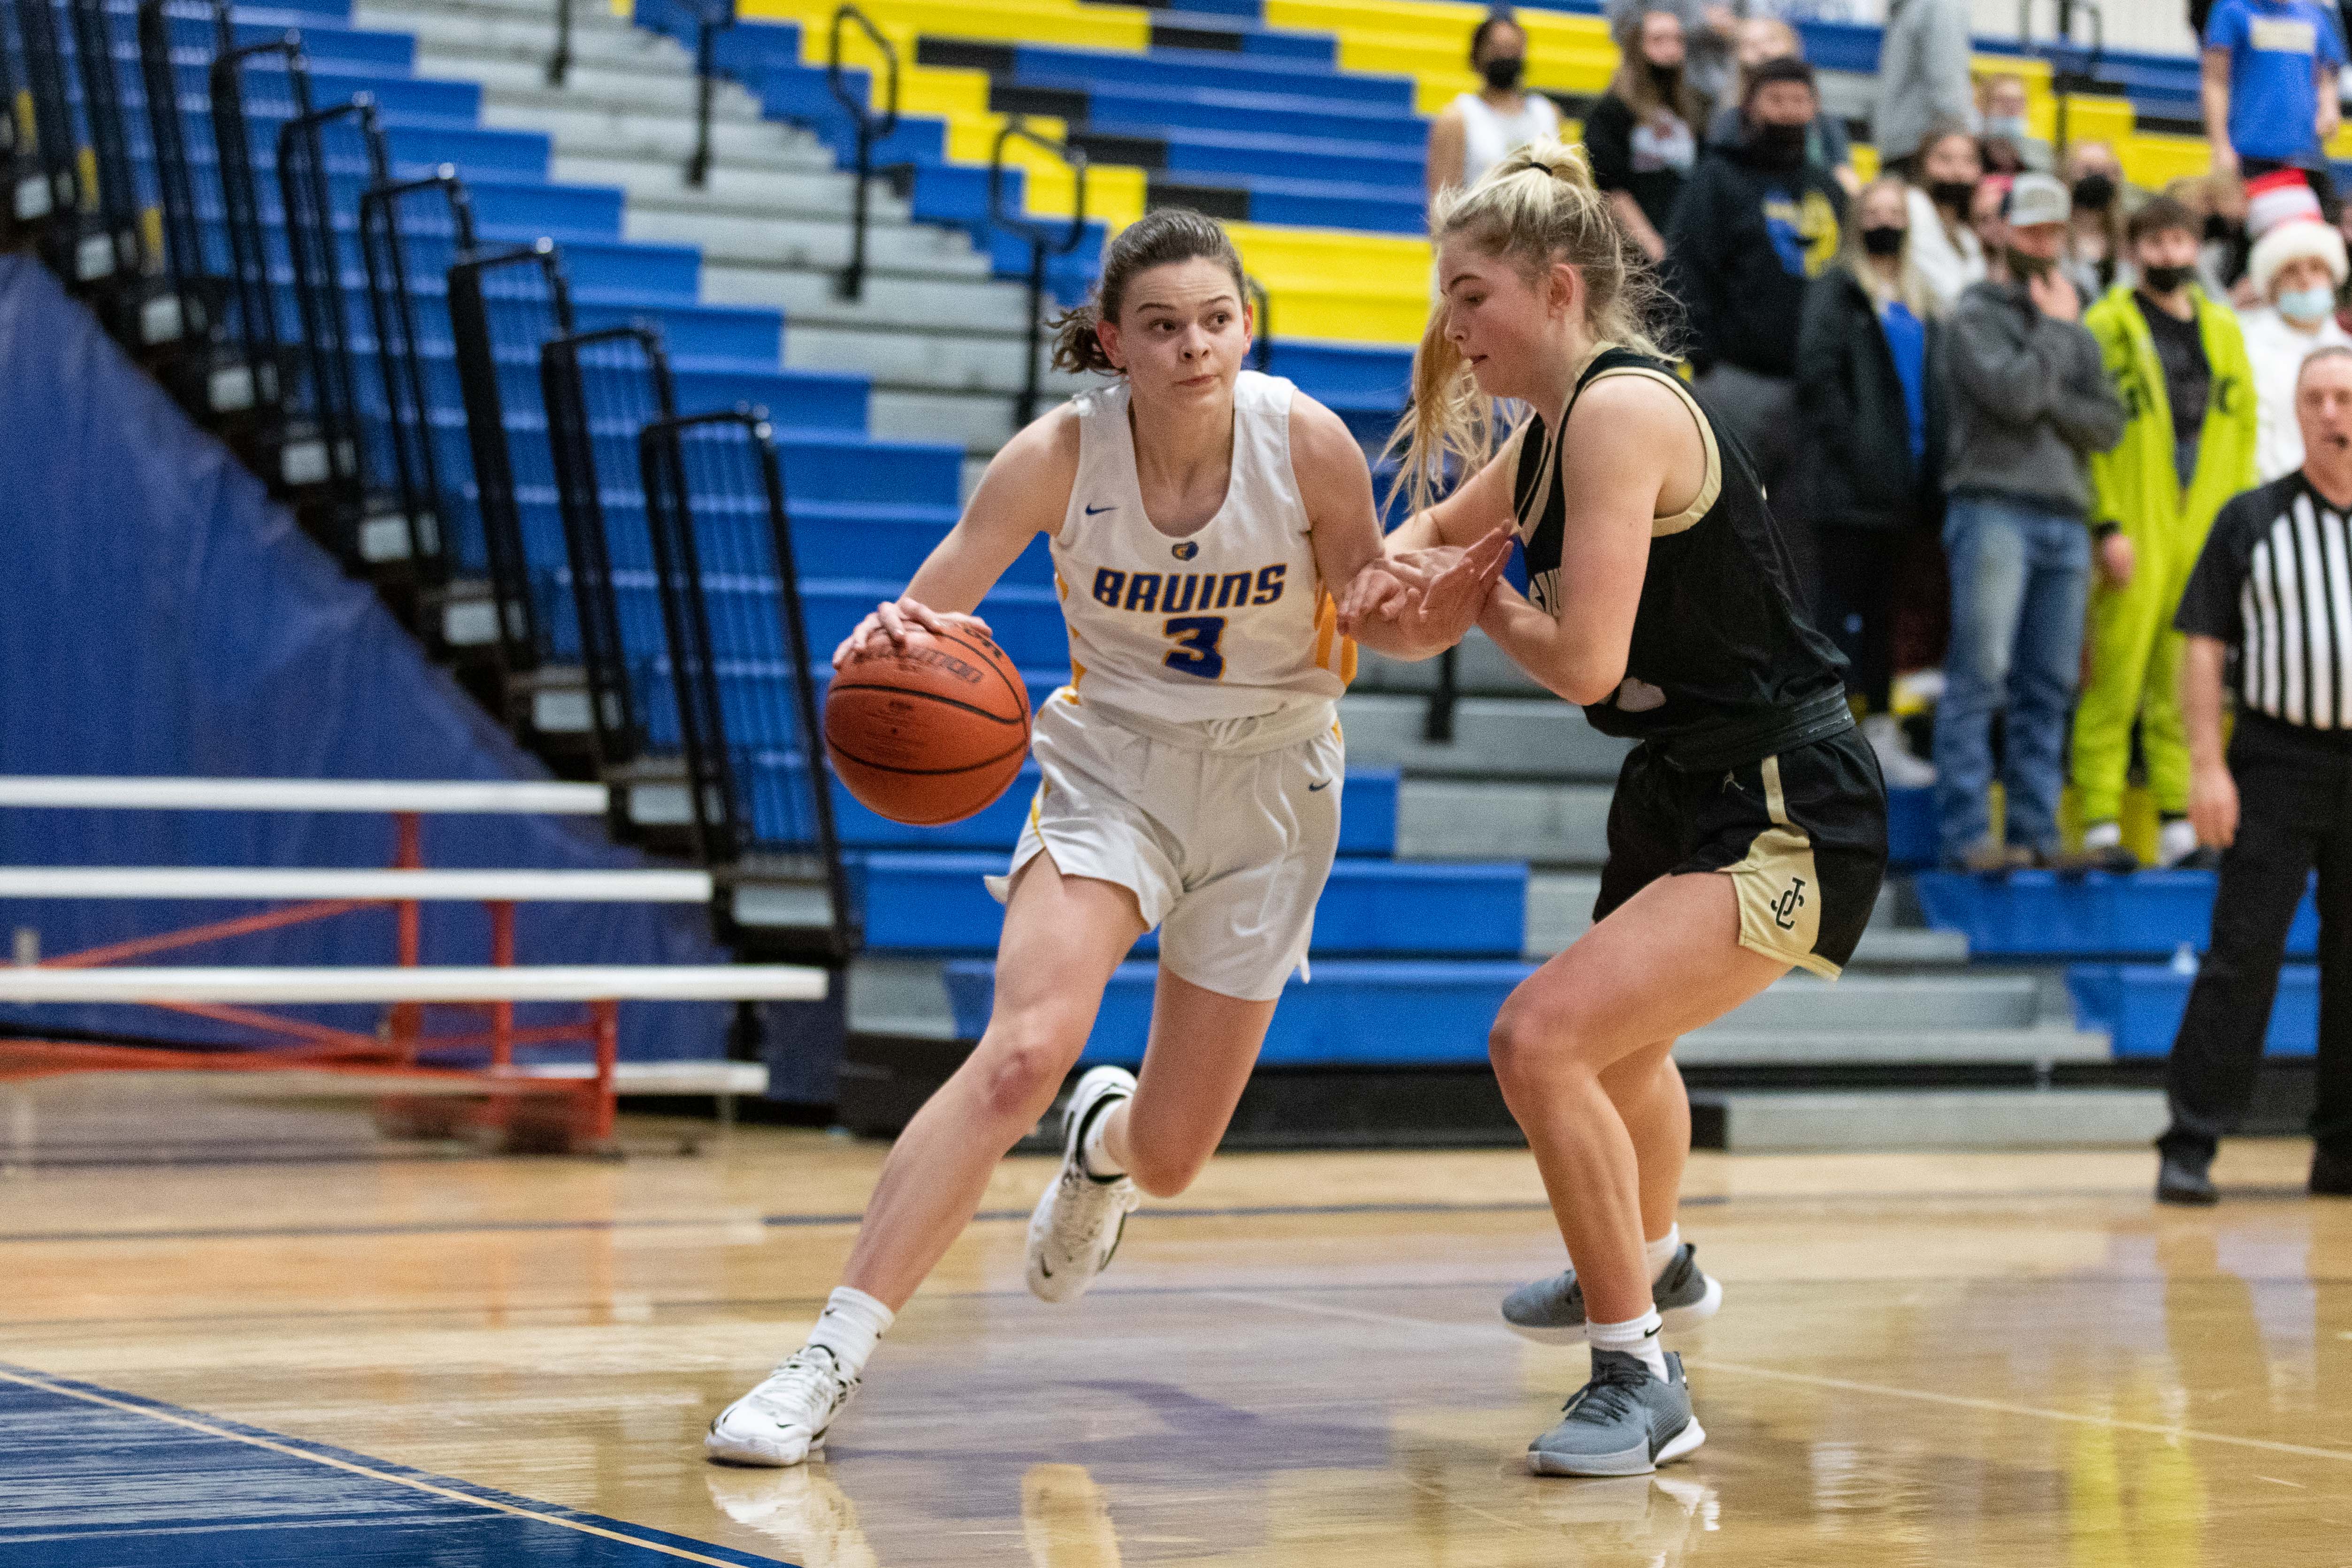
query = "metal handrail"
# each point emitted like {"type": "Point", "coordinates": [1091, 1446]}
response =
{"type": "Point", "coordinates": [1042, 237]}
{"type": "Point", "coordinates": [408, 405]}
{"type": "Point", "coordinates": [1261, 325]}
{"type": "Point", "coordinates": [240, 201]}
{"type": "Point", "coordinates": [852, 285]}
{"type": "Point", "coordinates": [559, 64]}
{"type": "Point", "coordinates": [711, 18]}
{"type": "Point", "coordinates": [2065, 79]}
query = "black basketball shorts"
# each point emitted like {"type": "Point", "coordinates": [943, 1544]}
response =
{"type": "Point", "coordinates": [1802, 836]}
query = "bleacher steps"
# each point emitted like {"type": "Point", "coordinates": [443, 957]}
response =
{"type": "Point", "coordinates": [1764, 1121]}
{"type": "Point", "coordinates": [1721, 1045]}
{"type": "Point", "coordinates": [1545, 823]}
{"type": "Point", "coordinates": [1507, 735]}
{"type": "Point", "coordinates": [1479, 667]}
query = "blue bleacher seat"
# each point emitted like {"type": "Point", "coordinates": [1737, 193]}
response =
{"type": "Point", "coordinates": [2140, 1006]}
{"type": "Point", "coordinates": [2039, 914]}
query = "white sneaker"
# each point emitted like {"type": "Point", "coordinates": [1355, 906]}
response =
{"type": "Point", "coordinates": [1903, 770]}
{"type": "Point", "coordinates": [783, 1421]}
{"type": "Point", "coordinates": [2176, 841]}
{"type": "Point", "coordinates": [1077, 1222]}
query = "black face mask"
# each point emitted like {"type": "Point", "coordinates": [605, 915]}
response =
{"type": "Point", "coordinates": [1666, 80]}
{"type": "Point", "coordinates": [1505, 74]}
{"type": "Point", "coordinates": [1779, 146]}
{"type": "Point", "coordinates": [1952, 194]}
{"type": "Point", "coordinates": [1887, 240]}
{"type": "Point", "coordinates": [2217, 229]}
{"type": "Point", "coordinates": [2095, 191]}
{"type": "Point", "coordinates": [2164, 280]}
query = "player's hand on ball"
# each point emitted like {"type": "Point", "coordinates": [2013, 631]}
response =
{"type": "Point", "coordinates": [889, 622]}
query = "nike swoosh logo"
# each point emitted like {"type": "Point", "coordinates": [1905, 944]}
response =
{"type": "Point", "coordinates": [1092, 511]}
{"type": "Point", "coordinates": [1324, 785]}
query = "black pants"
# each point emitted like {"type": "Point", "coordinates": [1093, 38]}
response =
{"type": "Point", "coordinates": [1859, 568]}
{"type": "Point", "coordinates": [2294, 811]}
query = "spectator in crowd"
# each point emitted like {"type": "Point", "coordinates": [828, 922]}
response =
{"type": "Point", "coordinates": [1944, 246]}
{"type": "Point", "coordinates": [2270, 88]}
{"type": "Point", "coordinates": [1710, 28]}
{"type": "Point", "coordinates": [2009, 145]}
{"type": "Point", "coordinates": [2298, 265]}
{"type": "Point", "coordinates": [1756, 222]}
{"type": "Point", "coordinates": [1870, 391]}
{"type": "Point", "coordinates": [1479, 129]}
{"type": "Point", "coordinates": [1923, 80]}
{"type": "Point", "coordinates": [2095, 258]}
{"type": "Point", "coordinates": [1640, 140]}
{"type": "Point", "coordinates": [2219, 203]}
{"type": "Point", "coordinates": [2178, 362]}
{"type": "Point", "coordinates": [1765, 38]}
{"type": "Point", "coordinates": [2273, 804]}
{"type": "Point", "coordinates": [2029, 401]}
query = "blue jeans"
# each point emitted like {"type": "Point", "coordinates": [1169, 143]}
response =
{"type": "Point", "coordinates": [2020, 576]}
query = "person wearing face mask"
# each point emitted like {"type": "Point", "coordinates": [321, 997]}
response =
{"type": "Point", "coordinates": [1755, 224]}
{"type": "Point", "coordinates": [2095, 260]}
{"type": "Point", "coordinates": [1944, 246]}
{"type": "Point", "coordinates": [1923, 80]}
{"type": "Point", "coordinates": [1639, 138]}
{"type": "Point", "coordinates": [2009, 145]}
{"type": "Point", "coordinates": [1870, 391]}
{"type": "Point", "coordinates": [2298, 264]}
{"type": "Point", "coordinates": [1479, 129]}
{"type": "Point", "coordinates": [2031, 400]}
{"type": "Point", "coordinates": [2178, 362]}
{"type": "Point", "coordinates": [1765, 38]}
{"type": "Point", "coordinates": [1710, 31]}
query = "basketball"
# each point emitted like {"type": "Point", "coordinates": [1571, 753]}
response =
{"type": "Point", "coordinates": [928, 732]}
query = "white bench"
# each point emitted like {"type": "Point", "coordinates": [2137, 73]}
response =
{"type": "Point", "coordinates": [497, 796]}
{"type": "Point", "coordinates": [367, 883]}
{"type": "Point", "coordinates": [402, 983]}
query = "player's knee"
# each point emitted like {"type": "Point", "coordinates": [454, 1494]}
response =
{"type": "Point", "coordinates": [1528, 1044]}
{"type": "Point", "coordinates": [1023, 1073]}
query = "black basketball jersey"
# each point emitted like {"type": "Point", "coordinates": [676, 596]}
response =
{"type": "Point", "coordinates": [1719, 642]}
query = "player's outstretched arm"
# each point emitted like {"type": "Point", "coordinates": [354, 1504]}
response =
{"type": "Point", "coordinates": [1630, 445]}
{"type": "Point", "coordinates": [1387, 612]}
{"type": "Point", "coordinates": [1481, 505]}
{"type": "Point", "coordinates": [1026, 492]}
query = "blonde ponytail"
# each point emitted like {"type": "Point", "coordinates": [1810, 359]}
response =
{"type": "Point", "coordinates": [1537, 207]}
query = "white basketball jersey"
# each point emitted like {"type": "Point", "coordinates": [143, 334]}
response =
{"type": "Point", "coordinates": [1232, 621]}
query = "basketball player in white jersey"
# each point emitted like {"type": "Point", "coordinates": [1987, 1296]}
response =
{"type": "Point", "coordinates": [1204, 520]}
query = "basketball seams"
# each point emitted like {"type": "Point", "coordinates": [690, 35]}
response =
{"type": "Point", "coordinates": [985, 762]}
{"type": "Point", "coordinates": [905, 791]}
{"type": "Point", "coordinates": [1021, 718]}
{"type": "Point", "coordinates": [995, 659]}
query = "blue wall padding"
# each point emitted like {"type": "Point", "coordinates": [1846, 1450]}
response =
{"type": "Point", "coordinates": [2139, 1006]}
{"type": "Point", "coordinates": [2034, 913]}
{"type": "Point", "coordinates": [1356, 1012]}
{"type": "Point", "coordinates": [936, 903]}
{"type": "Point", "coordinates": [160, 615]}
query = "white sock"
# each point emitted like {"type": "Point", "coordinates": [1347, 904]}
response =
{"type": "Point", "coordinates": [1638, 1337]}
{"type": "Point", "coordinates": [1662, 1252]}
{"type": "Point", "coordinates": [850, 1326]}
{"type": "Point", "coordinates": [2102, 835]}
{"type": "Point", "coordinates": [1092, 1154]}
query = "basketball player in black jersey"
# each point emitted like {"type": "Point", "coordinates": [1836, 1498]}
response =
{"type": "Point", "coordinates": [1748, 831]}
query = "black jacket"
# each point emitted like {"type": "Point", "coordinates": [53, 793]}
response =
{"type": "Point", "coordinates": [1725, 266]}
{"type": "Point", "coordinates": [1856, 428]}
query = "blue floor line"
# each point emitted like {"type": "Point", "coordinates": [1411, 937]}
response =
{"type": "Point", "coordinates": [95, 1478]}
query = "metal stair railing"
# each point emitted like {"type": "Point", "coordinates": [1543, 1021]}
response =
{"type": "Point", "coordinates": [871, 128]}
{"type": "Point", "coordinates": [114, 204]}
{"type": "Point", "coordinates": [1044, 241]}
{"type": "Point", "coordinates": [602, 387]}
{"type": "Point", "coordinates": [196, 289]}
{"type": "Point", "coordinates": [253, 316]}
{"type": "Point", "coordinates": [712, 18]}
{"type": "Point", "coordinates": [733, 624]}
{"type": "Point", "coordinates": [506, 306]}
{"type": "Point", "coordinates": [2072, 69]}
{"type": "Point", "coordinates": [423, 479]}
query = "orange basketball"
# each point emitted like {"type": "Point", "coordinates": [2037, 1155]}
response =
{"type": "Point", "coordinates": [928, 732]}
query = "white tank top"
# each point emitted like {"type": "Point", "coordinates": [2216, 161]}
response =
{"type": "Point", "coordinates": [1230, 622]}
{"type": "Point", "coordinates": [1488, 138]}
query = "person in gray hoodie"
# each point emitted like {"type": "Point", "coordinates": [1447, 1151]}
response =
{"type": "Point", "coordinates": [2029, 401]}
{"type": "Point", "coordinates": [1922, 78]}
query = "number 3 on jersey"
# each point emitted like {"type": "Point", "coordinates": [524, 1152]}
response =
{"type": "Point", "coordinates": [1195, 653]}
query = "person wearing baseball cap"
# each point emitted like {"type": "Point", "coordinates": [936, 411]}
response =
{"type": "Point", "coordinates": [2030, 402]}
{"type": "Point", "coordinates": [2296, 268]}
{"type": "Point", "coordinates": [2179, 361]}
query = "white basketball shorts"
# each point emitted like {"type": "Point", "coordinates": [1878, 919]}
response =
{"type": "Point", "coordinates": [1224, 831]}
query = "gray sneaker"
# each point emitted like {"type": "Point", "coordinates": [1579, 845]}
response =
{"type": "Point", "coordinates": [1627, 1421]}
{"type": "Point", "coordinates": [1551, 1311]}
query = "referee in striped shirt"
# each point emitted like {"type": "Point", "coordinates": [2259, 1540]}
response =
{"type": "Point", "coordinates": [2270, 599]}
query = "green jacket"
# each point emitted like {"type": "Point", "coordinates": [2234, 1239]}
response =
{"type": "Point", "coordinates": [2134, 484]}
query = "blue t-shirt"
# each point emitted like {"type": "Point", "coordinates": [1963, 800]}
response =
{"type": "Point", "coordinates": [1906, 339]}
{"type": "Point", "coordinates": [2275, 47]}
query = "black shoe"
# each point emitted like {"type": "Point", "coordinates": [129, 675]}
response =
{"type": "Point", "coordinates": [2331, 1174]}
{"type": "Point", "coordinates": [2185, 1181]}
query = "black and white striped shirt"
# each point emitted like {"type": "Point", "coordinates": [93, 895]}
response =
{"type": "Point", "coordinates": [2275, 583]}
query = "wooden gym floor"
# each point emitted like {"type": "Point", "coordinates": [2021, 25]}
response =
{"type": "Point", "coordinates": [2008, 1359]}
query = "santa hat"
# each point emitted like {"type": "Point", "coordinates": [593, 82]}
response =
{"type": "Point", "coordinates": [2283, 217]}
